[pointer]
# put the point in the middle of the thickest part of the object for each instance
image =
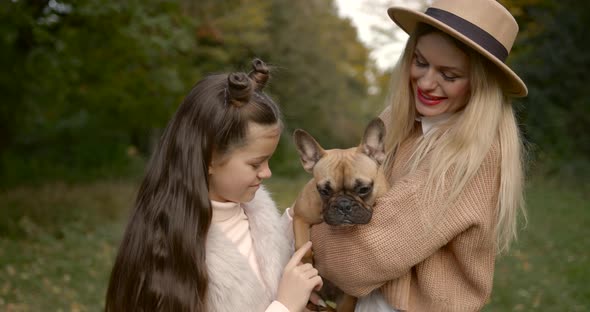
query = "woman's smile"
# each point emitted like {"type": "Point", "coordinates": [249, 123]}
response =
{"type": "Point", "coordinates": [439, 67]}
{"type": "Point", "coordinates": [429, 100]}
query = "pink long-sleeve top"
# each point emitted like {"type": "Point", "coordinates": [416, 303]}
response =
{"type": "Point", "coordinates": [233, 222]}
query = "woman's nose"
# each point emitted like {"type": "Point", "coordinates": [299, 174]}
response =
{"type": "Point", "coordinates": [428, 81]}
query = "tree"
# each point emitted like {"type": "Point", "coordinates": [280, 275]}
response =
{"type": "Point", "coordinates": [90, 82]}
{"type": "Point", "coordinates": [90, 78]}
{"type": "Point", "coordinates": [320, 79]}
{"type": "Point", "coordinates": [551, 58]}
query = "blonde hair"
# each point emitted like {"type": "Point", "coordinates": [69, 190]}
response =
{"type": "Point", "coordinates": [456, 147]}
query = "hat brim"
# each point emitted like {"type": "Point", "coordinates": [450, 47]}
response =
{"type": "Point", "coordinates": [407, 20]}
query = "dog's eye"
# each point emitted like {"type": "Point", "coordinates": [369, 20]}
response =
{"type": "Point", "coordinates": [324, 192]}
{"type": "Point", "coordinates": [364, 190]}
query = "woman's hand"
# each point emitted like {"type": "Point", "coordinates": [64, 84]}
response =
{"type": "Point", "coordinates": [298, 281]}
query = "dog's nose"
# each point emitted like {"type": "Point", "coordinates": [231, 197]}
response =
{"type": "Point", "coordinates": [344, 206]}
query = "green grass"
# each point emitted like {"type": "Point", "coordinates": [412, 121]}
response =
{"type": "Point", "coordinates": [549, 267]}
{"type": "Point", "coordinates": [57, 243]}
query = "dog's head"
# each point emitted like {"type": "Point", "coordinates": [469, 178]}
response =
{"type": "Point", "coordinates": [348, 180]}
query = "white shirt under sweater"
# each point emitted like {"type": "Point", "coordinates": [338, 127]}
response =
{"type": "Point", "coordinates": [233, 222]}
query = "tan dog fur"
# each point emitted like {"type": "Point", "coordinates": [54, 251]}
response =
{"type": "Point", "coordinates": [343, 176]}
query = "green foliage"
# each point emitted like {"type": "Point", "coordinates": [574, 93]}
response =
{"type": "Point", "coordinates": [551, 58]}
{"type": "Point", "coordinates": [320, 80]}
{"type": "Point", "coordinates": [93, 79]}
{"type": "Point", "coordinates": [87, 85]}
{"type": "Point", "coordinates": [86, 81]}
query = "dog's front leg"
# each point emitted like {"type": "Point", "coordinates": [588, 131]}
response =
{"type": "Point", "coordinates": [302, 235]}
{"type": "Point", "coordinates": [347, 303]}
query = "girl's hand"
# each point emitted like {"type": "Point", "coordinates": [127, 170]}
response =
{"type": "Point", "coordinates": [315, 299]}
{"type": "Point", "coordinates": [298, 281]}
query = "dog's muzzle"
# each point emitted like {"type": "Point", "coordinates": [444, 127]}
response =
{"type": "Point", "coordinates": [346, 210]}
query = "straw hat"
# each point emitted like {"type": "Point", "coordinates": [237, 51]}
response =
{"type": "Point", "coordinates": [484, 25]}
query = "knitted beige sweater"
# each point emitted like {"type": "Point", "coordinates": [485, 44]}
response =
{"type": "Point", "coordinates": [423, 257]}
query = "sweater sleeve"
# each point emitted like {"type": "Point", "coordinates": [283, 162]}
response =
{"type": "Point", "coordinates": [406, 228]}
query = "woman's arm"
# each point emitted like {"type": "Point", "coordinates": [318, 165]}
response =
{"type": "Point", "coordinates": [407, 227]}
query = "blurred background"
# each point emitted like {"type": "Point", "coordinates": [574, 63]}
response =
{"type": "Point", "coordinates": [86, 87]}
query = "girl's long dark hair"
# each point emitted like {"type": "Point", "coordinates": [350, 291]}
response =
{"type": "Point", "coordinates": [161, 262]}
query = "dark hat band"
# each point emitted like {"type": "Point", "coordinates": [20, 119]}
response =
{"type": "Point", "coordinates": [471, 31]}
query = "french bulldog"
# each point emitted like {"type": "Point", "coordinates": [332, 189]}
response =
{"type": "Point", "coordinates": [343, 189]}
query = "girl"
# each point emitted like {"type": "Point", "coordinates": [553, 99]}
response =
{"type": "Point", "coordinates": [204, 234]}
{"type": "Point", "coordinates": [454, 161]}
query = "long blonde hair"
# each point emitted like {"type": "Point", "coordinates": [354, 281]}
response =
{"type": "Point", "coordinates": [456, 147]}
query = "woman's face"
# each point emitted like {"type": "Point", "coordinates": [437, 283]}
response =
{"type": "Point", "coordinates": [439, 75]}
{"type": "Point", "coordinates": [236, 176]}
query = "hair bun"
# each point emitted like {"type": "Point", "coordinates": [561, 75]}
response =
{"type": "Point", "coordinates": [259, 73]}
{"type": "Point", "coordinates": [239, 89]}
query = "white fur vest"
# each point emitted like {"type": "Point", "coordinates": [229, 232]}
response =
{"type": "Point", "coordinates": [233, 286]}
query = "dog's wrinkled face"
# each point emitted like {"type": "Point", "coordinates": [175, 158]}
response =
{"type": "Point", "coordinates": [345, 180]}
{"type": "Point", "coordinates": [348, 181]}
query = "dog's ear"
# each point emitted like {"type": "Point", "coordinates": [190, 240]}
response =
{"type": "Point", "coordinates": [308, 148]}
{"type": "Point", "coordinates": [372, 144]}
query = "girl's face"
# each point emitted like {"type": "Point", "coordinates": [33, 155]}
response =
{"type": "Point", "coordinates": [236, 176]}
{"type": "Point", "coordinates": [439, 75]}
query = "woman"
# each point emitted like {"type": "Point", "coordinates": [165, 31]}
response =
{"type": "Point", "coordinates": [454, 162]}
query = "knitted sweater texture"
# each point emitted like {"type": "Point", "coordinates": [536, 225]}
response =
{"type": "Point", "coordinates": [421, 254]}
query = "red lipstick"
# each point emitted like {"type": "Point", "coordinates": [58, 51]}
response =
{"type": "Point", "coordinates": [428, 100]}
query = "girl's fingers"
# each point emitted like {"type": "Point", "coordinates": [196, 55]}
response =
{"type": "Point", "coordinates": [318, 282]}
{"type": "Point", "coordinates": [298, 255]}
{"type": "Point", "coordinates": [304, 267]}
{"type": "Point", "coordinates": [310, 273]}
{"type": "Point", "coordinates": [316, 299]}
